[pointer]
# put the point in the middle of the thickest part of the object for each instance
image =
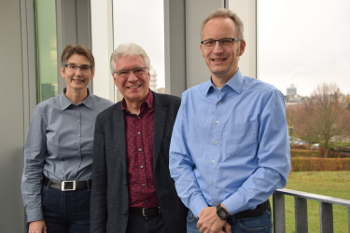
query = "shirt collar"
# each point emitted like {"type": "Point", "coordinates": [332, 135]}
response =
{"type": "Point", "coordinates": [235, 83]}
{"type": "Point", "coordinates": [149, 102]}
{"type": "Point", "coordinates": [65, 103]}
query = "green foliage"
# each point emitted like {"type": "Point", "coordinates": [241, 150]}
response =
{"type": "Point", "coordinates": [320, 164]}
{"type": "Point", "coordinates": [333, 144]}
{"type": "Point", "coordinates": [304, 153]}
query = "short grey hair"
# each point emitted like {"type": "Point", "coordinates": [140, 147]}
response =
{"type": "Point", "coordinates": [225, 13]}
{"type": "Point", "coordinates": [130, 50]}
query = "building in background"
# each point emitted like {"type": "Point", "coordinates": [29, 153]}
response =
{"type": "Point", "coordinates": [292, 97]}
{"type": "Point", "coordinates": [153, 81]}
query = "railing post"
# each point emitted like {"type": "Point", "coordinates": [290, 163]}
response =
{"type": "Point", "coordinates": [326, 218]}
{"type": "Point", "coordinates": [348, 219]}
{"type": "Point", "coordinates": [279, 218]}
{"type": "Point", "coordinates": [301, 218]}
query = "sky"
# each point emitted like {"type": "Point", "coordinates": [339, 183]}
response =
{"type": "Point", "coordinates": [300, 42]}
{"type": "Point", "coordinates": [305, 43]}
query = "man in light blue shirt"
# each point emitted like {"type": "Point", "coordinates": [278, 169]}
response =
{"type": "Point", "coordinates": [229, 149]}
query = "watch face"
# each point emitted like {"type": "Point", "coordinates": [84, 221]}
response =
{"type": "Point", "coordinates": [222, 213]}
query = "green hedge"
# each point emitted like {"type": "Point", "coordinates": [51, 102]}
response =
{"type": "Point", "coordinates": [304, 153]}
{"type": "Point", "coordinates": [318, 153]}
{"type": "Point", "coordinates": [320, 164]}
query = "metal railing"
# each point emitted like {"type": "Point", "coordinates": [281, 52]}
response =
{"type": "Point", "coordinates": [300, 210]}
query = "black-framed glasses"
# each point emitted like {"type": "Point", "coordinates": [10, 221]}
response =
{"type": "Point", "coordinates": [74, 68]}
{"type": "Point", "coordinates": [124, 73]}
{"type": "Point", "coordinates": [225, 42]}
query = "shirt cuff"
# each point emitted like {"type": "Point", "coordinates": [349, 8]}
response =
{"type": "Point", "coordinates": [34, 214]}
{"type": "Point", "coordinates": [197, 205]}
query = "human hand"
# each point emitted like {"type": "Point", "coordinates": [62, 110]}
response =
{"type": "Point", "coordinates": [37, 227]}
{"type": "Point", "coordinates": [226, 228]}
{"type": "Point", "coordinates": [210, 222]}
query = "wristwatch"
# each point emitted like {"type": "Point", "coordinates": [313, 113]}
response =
{"type": "Point", "coordinates": [223, 214]}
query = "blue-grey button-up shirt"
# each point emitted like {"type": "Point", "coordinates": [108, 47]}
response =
{"type": "Point", "coordinates": [230, 146]}
{"type": "Point", "coordinates": [59, 146]}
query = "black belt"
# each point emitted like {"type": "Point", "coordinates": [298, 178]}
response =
{"type": "Point", "coordinates": [258, 211]}
{"type": "Point", "coordinates": [67, 185]}
{"type": "Point", "coordinates": [145, 211]}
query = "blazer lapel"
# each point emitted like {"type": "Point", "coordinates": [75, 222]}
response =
{"type": "Point", "coordinates": [160, 115]}
{"type": "Point", "coordinates": [119, 141]}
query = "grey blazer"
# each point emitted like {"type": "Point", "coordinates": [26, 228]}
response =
{"type": "Point", "coordinates": [109, 193]}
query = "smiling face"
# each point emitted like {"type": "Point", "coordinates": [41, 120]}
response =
{"type": "Point", "coordinates": [134, 88]}
{"type": "Point", "coordinates": [77, 81]}
{"type": "Point", "coordinates": [221, 61]}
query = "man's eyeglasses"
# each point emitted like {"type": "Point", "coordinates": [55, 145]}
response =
{"type": "Point", "coordinates": [225, 42]}
{"type": "Point", "coordinates": [124, 73]}
{"type": "Point", "coordinates": [74, 68]}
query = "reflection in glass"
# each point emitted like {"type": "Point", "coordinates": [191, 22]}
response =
{"type": "Point", "coordinates": [46, 49]}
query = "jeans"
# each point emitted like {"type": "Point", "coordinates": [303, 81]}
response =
{"type": "Point", "coordinates": [66, 211]}
{"type": "Point", "coordinates": [261, 224]}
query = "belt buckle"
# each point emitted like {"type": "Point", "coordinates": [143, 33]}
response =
{"type": "Point", "coordinates": [63, 185]}
{"type": "Point", "coordinates": [143, 212]}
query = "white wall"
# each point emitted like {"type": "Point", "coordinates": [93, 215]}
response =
{"type": "Point", "coordinates": [12, 117]}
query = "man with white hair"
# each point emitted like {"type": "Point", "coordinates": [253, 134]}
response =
{"type": "Point", "coordinates": [132, 190]}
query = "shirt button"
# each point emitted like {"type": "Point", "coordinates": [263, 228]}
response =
{"type": "Point", "coordinates": [78, 135]}
{"type": "Point", "coordinates": [216, 142]}
{"type": "Point", "coordinates": [78, 121]}
{"type": "Point", "coordinates": [141, 166]}
{"type": "Point", "coordinates": [140, 149]}
{"type": "Point", "coordinates": [217, 122]}
{"type": "Point", "coordinates": [211, 182]}
{"type": "Point", "coordinates": [143, 184]}
{"type": "Point", "coordinates": [138, 132]}
{"type": "Point", "coordinates": [213, 161]}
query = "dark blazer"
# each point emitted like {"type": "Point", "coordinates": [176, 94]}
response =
{"type": "Point", "coordinates": [109, 193]}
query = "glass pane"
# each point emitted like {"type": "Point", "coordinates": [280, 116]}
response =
{"type": "Point", "coordinates": [142, 22]}
{"type": "Point", "coordinates": [46, 49]}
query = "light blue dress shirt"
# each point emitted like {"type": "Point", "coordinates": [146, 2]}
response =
{"type": "Point", "coordinates": [59, 145]}
{"type": "Point", "coordinates": [230, 145]}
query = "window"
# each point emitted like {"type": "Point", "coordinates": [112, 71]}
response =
{"type": "Point", "coordinates": [142, 22]}
{"type": "Point", "coordinates": [46, 49]}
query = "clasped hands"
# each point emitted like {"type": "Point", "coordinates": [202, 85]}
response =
{"type": "Point", "coordinates": [210, 222]}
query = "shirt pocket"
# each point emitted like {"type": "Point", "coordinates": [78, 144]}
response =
{"type": "Point", "coordinates": [242, 139]}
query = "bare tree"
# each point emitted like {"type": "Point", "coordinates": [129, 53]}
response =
{"type": "Point", "coordinates": [290, 115]}
{"type": "Point", "coordinates": [323, 115]}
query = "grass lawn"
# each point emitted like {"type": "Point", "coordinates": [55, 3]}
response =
{"type": "Point", "coordinates": [333, 184]}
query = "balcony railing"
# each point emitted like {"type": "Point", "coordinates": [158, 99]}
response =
{"type": "Point", "coordinates": [300, 210]}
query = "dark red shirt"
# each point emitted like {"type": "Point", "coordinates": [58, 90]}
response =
{"type": "Point", "coordinates": [139, 150]}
